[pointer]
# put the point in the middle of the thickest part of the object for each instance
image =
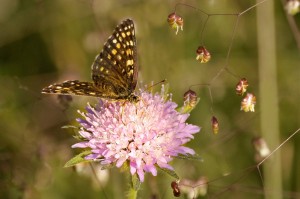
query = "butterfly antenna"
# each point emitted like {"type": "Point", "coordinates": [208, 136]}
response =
{"type": "Point", "coordinates": [151, 86]}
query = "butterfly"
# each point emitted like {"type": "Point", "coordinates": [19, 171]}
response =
{"type": "Point", "coordinates": [114, 71]}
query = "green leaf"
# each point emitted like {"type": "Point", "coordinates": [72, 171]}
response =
{"type": "Point", "coordinates": [69, 126]}
{"type": "Point", "coordinates": [136, 183]}
{"type": "Point", "coordinates": [78, 159]}
{"type": "Point", "coordinates": [190, 157]}
{"type": "Point", "coordinates": [170, 172]}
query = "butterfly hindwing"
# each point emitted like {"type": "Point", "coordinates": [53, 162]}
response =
{"type": "Point", "coordinates": [71, 88]}
{"type": "Point", "coordinates": [76, 87]}
{"type": "Point", "coordinates": [114, 71]}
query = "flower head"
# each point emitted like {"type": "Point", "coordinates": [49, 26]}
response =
{"type": "Point", "coordinates": [144, 134]}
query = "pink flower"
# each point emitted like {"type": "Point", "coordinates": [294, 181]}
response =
{"type": "Point", "coordinates": [146, 134]}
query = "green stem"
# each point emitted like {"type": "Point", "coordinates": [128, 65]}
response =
{"type": "Point", "coordinates": [268, 99]}
{"type": "Point", "coordinates": [132, 193]}
{"type": "Point", "coordinates": [135, 186]}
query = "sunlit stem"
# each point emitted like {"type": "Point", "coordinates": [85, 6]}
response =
{"type": "Point", "coordinates": [268, 98]}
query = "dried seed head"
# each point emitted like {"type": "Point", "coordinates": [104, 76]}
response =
{"type": "Point", "coordinates": [175, 187]}
{"type": "Point", "coordinates": [203, 55]}
{"type": "Point", "coordinates": [175, 21]}
{"type": "Point", "coordinates": [190, 98]}
{"type": "Point", "coordinates": [292, 7]}
{"type": "Point", "coordinates": [215, 125]}
{"type": "Point", "coordinates": [241, 86]}
{"type": "Point", "coordinates": [261, 148]}
{"type": "Point", "coordinates": [172, 18]}
{"type": "Point", "coordinates": [248, 103]}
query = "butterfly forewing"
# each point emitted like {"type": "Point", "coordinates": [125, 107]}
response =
{"type": "Point", "coordinates": [114, 71]}
{"type": "Point", "coordinates": [117, 61]}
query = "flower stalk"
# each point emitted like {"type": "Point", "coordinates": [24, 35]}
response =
{"type": "Point", "coordinates": [132, 193]}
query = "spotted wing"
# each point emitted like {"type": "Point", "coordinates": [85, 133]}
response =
{"type": "Point", "coordinates": [114, 71]}
{"type": "Point", "coordinates": [76, 87]}
{"type": "Point", "coordinates": [116, 65]}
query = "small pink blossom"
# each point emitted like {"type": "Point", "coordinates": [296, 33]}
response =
{"type": "Point", "coordinates": [146, 134]}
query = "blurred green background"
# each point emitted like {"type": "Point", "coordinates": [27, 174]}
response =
{"type": "Point", "coordinates": [45, 41]}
